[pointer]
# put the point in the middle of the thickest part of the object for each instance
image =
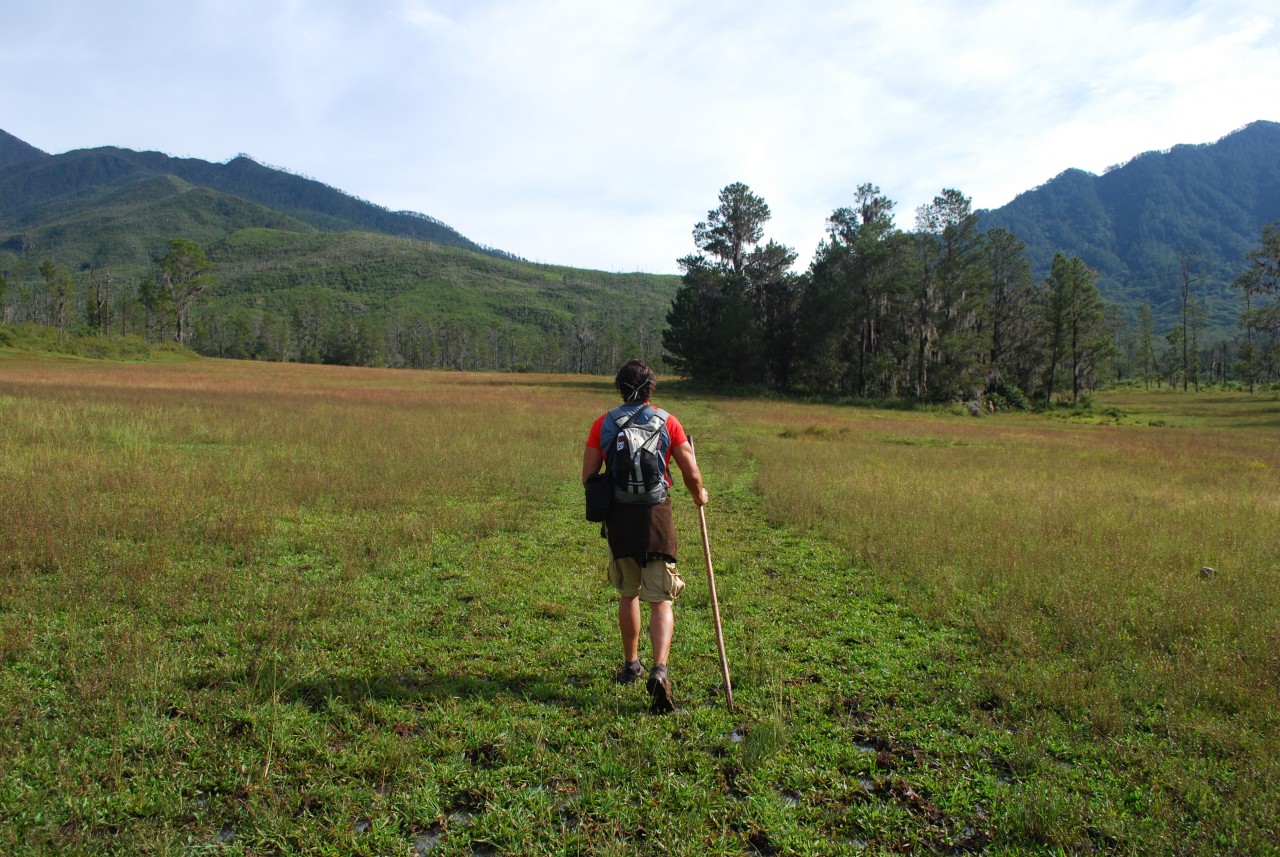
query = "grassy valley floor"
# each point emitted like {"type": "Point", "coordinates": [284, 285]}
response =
{"type": "Point", "coordinates": [254, 608]}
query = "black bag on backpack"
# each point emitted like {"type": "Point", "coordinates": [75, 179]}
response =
{"type": "Point", "coordinates": [599, 497]}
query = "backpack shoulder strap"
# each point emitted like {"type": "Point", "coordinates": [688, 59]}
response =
{"type": "Point", "coordinates": [614, 422]}
{"type": "Point", "coordinates": [621, 421]}
{"type": "Point", "coordinates": [660, 437]}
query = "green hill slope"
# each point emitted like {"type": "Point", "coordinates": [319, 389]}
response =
{"type": "Point", "coordinates": [127, 224]}
{"type": "Point", "coordinates": [31, 181]}
{"type": "Point", "coordinates": [1130, 224]}
{"type": "Point", "coordinates": [303, 271]}
{"type": "Point", "coordinates": [370, 298]}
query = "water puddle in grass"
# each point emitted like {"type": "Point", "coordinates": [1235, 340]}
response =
{"type": "Point", "coordinates": [361, 825]}
{"type": "Point", "coordinates": [483, 850]}
{"type": "Point", "coordinates": [737, 737]}
{"type": "Point", "coordinates": [867, 747]}
{"type": "Point", "coordinates": [425, 843]}
{"type": "Point", "coordinates": [790, 798]}
{"type": "Point", "coordinates": [462, 817]}
{"type": "Point", "coordinates": [226, 834]}
{"type": "Point", "coordinates": [867, 785]}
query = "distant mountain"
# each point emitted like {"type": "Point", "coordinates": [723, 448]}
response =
{"type": "Point", "coordinates": [14, 151]}
{"type": "Point", "coordinates": [304, 271]}
{"type": "Point", "coordinates": [298, 262]}
{"type": "Point", "coordinates": [1130, 224]}
{"type": "Point", "coordinates": [35, 187]}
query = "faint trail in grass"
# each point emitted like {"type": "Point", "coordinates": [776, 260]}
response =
{"type": "Point", "coordinates": [821, 661]}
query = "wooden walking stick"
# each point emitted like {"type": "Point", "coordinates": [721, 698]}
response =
{"type": "Point", "coordinates": [715, 602]}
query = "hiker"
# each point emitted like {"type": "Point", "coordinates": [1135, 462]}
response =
{"type": "Point", "coordinates": [639, 526]}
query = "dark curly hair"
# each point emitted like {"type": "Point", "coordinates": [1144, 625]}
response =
{"type": "Point", "coordinates": [635, 381]}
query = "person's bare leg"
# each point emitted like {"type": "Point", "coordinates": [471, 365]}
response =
{"type": "Point", "coordinates": [661, 629]}
{"type": "Point", "coordinates": [629, 627]}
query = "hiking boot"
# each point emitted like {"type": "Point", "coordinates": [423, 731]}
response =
{"type": "Point", "coordinates": [629, 672]}
{"type": "Point", "coordinates": [659, 687]}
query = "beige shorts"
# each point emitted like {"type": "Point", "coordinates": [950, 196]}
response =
{"type": "Point", "coordinates": [657, 581]}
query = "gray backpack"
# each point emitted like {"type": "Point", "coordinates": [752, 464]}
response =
{"type": "Point", "coordinates": [636, 460]}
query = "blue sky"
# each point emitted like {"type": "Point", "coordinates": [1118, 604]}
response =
{"type": "Point", "coordinates": [595, 133]}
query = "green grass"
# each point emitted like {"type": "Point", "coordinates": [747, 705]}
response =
{"type": "Point", "coordinates": [28, 340]}
{"type": "Point", "coordinates": [273, 608]}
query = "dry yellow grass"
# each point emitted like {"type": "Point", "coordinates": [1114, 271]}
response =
{"type": "Point", "coordinates": [1060, 542]}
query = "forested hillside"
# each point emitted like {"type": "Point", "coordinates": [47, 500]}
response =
{"type": "Point", "coordinates": [297, 270]}
{"type": "Point", "coordinates": [38, 192]}
{"type": "Point", "coordinates": [243, 260]}
{"type": "Point", "coordinates": [1134, 224]}
{"type": "Point", "coordinates": [364, 298]}
{"type": "Point", "coordinates": [13, 150]}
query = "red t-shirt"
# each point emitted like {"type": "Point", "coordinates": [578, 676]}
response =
{"type": "Point", "coordinates": [674, 430]}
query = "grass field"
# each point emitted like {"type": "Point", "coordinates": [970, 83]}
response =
{"type": "Point", "coordinates": [251, 608]}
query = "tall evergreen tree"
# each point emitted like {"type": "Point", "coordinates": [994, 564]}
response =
{"type": "Point", "coordinates": [694, 319]}
{"type": "Point", "coordinates": [733, 226]}
{"type": "Point", "coordinates": [1074, 314]}
{"type": "Point", "coordinates": [735, 300]}
{"type": "Point", "coordinates": [1259, 283]}
{"type": "Point", "coordinates": [854, 301]}
{"type": "Point", "coordinates": [1186, 278]}
{"type": "Point", "coordinates": [1010, 314]}
{"type": "Point", "coordinates": [1147, 360]}
{"type": "Point", "coordinates": [775, 294]}
{"type": "Point", "coordinates": [953, 344]}
{"type": "Point", "coordinates": [59, 291]}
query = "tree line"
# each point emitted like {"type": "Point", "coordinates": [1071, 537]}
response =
{"type": "Point", "coordinates": [312, 332]}
{"type": "Point", "coordinates": [169, 303]}
{"type": "Point", "coordinates": [159, 304]}
{"type": "Point", "coordinates": [944, 312]}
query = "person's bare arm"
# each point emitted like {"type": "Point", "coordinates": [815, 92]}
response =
{"type": "Point", "coordinates": [688, 464]}
{"type": "Point", "coordinates": [592, 458]}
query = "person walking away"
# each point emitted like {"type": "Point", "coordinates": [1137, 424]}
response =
{"type": "Point", "coordinates": [640, 528]}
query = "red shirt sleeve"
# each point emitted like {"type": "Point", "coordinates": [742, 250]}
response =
{"type": "Point", "coordinates": [676, 432]}
{"type": "Point", "coordinates": [593, 436]}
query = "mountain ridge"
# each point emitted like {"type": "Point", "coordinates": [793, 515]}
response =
{"type": "Point", "coordinates": [1131, 223]}
{"type": "Point", "coordinates": [30, 179]}
{"type": "Point", "coordinates": [302, 271]}
{"type": "Point", "coordinates": [110, 207]}
{"type": "Point", "coordinates": [15, 151]}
